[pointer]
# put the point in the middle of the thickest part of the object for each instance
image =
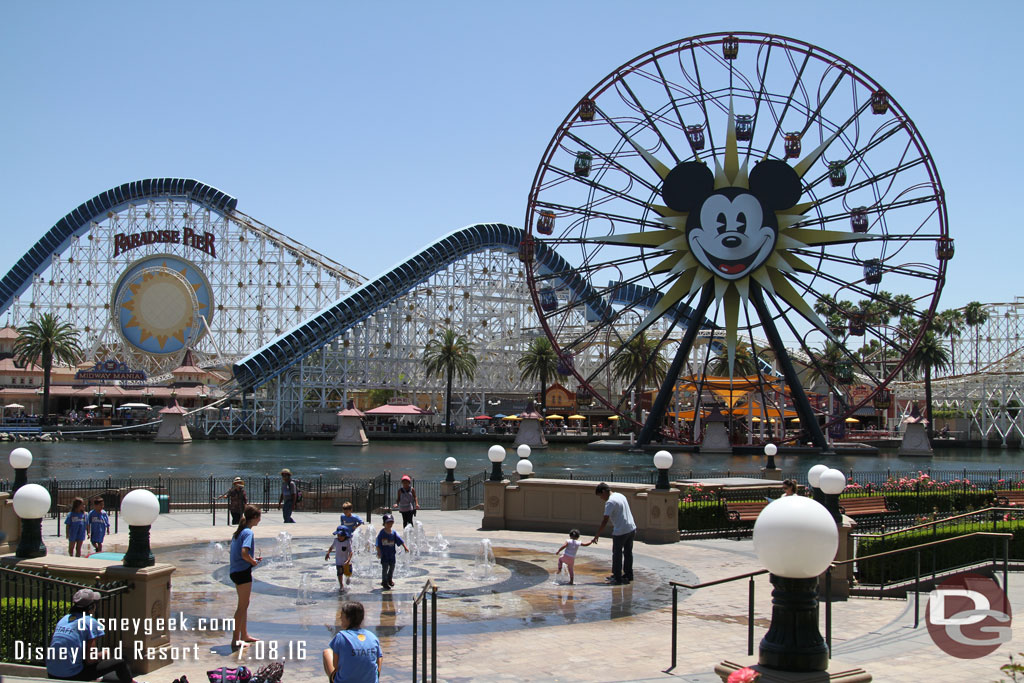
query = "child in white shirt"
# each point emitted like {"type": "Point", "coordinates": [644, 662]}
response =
{"type": "Point", "coordinates": [342, 549]}
{"type": "Point", "coordinates": [568, 558]}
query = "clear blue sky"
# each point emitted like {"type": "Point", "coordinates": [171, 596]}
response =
{"type": "Point", "coordinates": [366, 130]}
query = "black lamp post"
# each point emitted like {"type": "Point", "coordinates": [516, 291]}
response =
{"type": "Point", "coordinates": [31, 502]}
{"type": "Point", "coordinates": [20, 459]}
{"type": "Point", "coordinates": [796, 540]}
{"type": "Point", "coordinates": [496, 454]}
{"type": "Point", "coordinates": [140, 508]}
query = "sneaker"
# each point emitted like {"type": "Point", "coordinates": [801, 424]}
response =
{"type": "Point", "coordinates": [385, 587]}
{"type": "Point", "coordinates": [392, 583]}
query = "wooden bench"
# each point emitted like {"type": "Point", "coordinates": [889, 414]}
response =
{"type": "Point", "coordinates": [867, 505]}
{"type": "Point", "coordinates": [744, 512]}
{"type": "Point", "coordinates": [1004, 498]}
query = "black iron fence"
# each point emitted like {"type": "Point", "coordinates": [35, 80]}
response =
{"type": "Point", "coordinates": [31, 605]}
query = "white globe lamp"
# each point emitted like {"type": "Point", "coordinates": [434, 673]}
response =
{"type": "Point", "coordinates": [795, 539]}
{"type": "Point", "coordinates": [524, 468]}
{"type": "Point", "coordinates": [524, 450]}
{"type": "Point", "coordinates": [770, 450]}
{"type": "Point", "coordinates": [663, 461]}
{"type": "Point", "coordinates": [450, 464]}
{"type": "Point", "coordinates": [31, 503]}
{"type": "Point", "coordinates": [20, 459]}
{"type": "Point", "coordinates": [140, 508]}
{"type": "Point", "coordinates": [832, 483]}
{"type": "Point", "coordinates": [496, 454]}
{"type": "Point", "coordinates": [814, 480]}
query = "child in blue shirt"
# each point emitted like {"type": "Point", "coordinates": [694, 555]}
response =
{"type": "Point", "coordinates": [348, 520]}
{"type": "Point", "coordinates": [387, 542]}
{"type": "Point", "coordinates": [99, 525]}
{"type": "Point", "coordinates": [354, 654]}
{"type": "Point", "coordinates": [74, 525]}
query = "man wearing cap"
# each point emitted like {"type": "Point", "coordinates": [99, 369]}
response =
{"type": "Point", "coordinates": [287, 499]}
{"type": "Point", "coordinates": [342, 549]}
{"type": "Point", "coordinates": [75, 637]}
{"type": "Point", "coordinates": [407, 502]}
{"type": "Point", "coordinates": [237, 500]}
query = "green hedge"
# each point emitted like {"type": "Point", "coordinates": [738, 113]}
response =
{"type": "Point", "coordinates": [926, 502]}
{"type": "Point", "coordinates": [699, 516]}
{"type": "Point", "coordinates": [23, 619]}
{"type": "Point", "coordinates": [902, 567]}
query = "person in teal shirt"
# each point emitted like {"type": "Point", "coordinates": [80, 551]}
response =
{"type": "Point", "coordinates": [74, 637]}
{"type": "Point", "coordinates": [74, 525]}
{"type": "Point", "coordinates": [354, 654]}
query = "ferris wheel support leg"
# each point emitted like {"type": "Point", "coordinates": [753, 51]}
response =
{"type": "Point", "coordinates": [803, 406]}
{"type": "Point", "coordinates": [667, 387]}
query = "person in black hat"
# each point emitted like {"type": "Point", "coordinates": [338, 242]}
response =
{"type": "Point", "coordinates": [73, 640]}
{"type": "Point", "coordinates": [288, 496]}
{"type": "Point", "coordinates": [387, 546]}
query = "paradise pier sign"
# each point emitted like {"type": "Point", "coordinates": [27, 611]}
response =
{"type": "Point", "coordinates": [205, 241]}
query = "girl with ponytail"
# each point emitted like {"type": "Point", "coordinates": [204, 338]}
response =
{"type": "Point", "coordinates": [243, 559]}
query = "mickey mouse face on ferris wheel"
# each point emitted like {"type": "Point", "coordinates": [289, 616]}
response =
{"type": "Point", "coordinates": [731, 231]}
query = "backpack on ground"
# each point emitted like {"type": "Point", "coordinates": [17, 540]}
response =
{"type": "Point", "coordinates": [269, 673]}
{"type": "Point", "coordinates": [228, 675]}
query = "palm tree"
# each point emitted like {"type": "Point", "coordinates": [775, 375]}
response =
{"type": "Point", "coordinates": [446, 356]}
{"type": "Point", "coordinates": [975, 316]}
{"type": "Point", "coordinates": [744, 362]}
{"type": "Point", "coordinates": [929, 355]}
{"type": "Point", "coordinates": [537, 364]}
{"type": "Point", "coordinates": [45, 341]}
{"type": "Point", "coordinates": [826, 366]}
{"type": "Point", "coordinates": [950, 323]}
{"type": "Point", "coordinates": [640, 359]}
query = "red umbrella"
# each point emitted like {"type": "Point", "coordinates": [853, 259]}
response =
{"type": "Point", "coordinates": [482, 417]}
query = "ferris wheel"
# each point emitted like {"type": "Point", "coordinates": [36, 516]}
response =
{"type": "Point", "coordinates": [748, 190]}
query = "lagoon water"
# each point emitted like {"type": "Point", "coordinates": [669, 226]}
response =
{"type": "Point", "coordinates": [424, 460]}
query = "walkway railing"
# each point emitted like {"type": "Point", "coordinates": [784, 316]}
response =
{"type": "Point", "coordinates": [695, 586]}
{"type": "Point", "coordinates": [425, 649]}
{"type": "Point", "coordinates": [31, 605]}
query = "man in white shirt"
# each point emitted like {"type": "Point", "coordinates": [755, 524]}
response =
{"type": "Point", "coordinates": [616, 509]}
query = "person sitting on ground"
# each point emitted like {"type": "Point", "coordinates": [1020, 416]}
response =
{"type": "Point", "coordinates": [74, 642]}
{"type": "Point", "coordinates": [354, 653]}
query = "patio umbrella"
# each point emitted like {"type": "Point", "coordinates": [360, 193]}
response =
{"type": "Point", "coordinates": [555, 417]}
{"type": "Point", "coordinates": [90, 407]}
{"type": "Point", "coordinates": [499, 416]}
{"type": "Point", "coordinates": [852, 419]}
{"type": "Point", "coordinates": [14, 406]}
{"type": "Point", "coordinates": [577, 417]}
{"type": "Point", "coordinates": [512, 418]}
{"type": "Point", "coordinates": [614, 417]}
{"type": "Point", "coordinates": [129, 406]}
{"type": "Point", "coordinates": [482, 417]}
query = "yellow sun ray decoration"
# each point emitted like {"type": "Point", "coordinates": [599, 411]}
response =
{"type": "Point", "coordinates": [761, 251]}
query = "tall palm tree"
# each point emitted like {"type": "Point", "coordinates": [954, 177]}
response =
{"type": "Point", "coordinates": [640, 359]}
{"type": "Point", "coordinates": [975, 316]}
{"type": "Point", "coordinates": [744, 362]}
{"type": "Point", "coordinates": [45, 341]}
{"type": "Point", "coordinates": [449, 355]}
{"type": "Point", "coordinates": [950, 324]}
{"type": "Point", "coordinates": [537, 364]}
{"type": "Point", "coordinates": [930, 354]}
{"type": "Point", "coordinates": [826, 366]}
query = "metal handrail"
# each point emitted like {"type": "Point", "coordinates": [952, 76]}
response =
{"type": "Point", "coordinates": [936, 522]}
{"type": "Point", "coordinates": [676, 585]}
{"type": "Point", "coordinates": [422, 597]}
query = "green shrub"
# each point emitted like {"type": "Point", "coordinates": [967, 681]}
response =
{"type": "Point", "coordinates": [902, 567]}
{"type": "Point", "coordinates": [926, 502]}
{"type": "Point", "coordinates": [24, 619]}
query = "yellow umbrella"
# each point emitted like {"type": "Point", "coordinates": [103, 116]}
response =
{"type": "Point", "coordinates": [577, 417]}
{"type": "Point", "coordinates": [555, 417]}
{"type": "Point", "coordinates": [852, 419]}
{"type": "Point", "coordinates": [614, 417]}
{"type": "Point", "coordinates": [512, 418]}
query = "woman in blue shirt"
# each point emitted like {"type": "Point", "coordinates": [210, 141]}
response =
{"type": "Point", "coordinates": [354, 654]}
{"type": "Point", "coordinates": [243, 559]}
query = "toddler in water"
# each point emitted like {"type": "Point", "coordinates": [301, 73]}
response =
{"type": "Point", "coordinates": [342, 547]}
{"type": "Point", "coordinates": [568, 558]}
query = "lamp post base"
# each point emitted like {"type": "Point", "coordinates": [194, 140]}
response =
{"type": "Point", "coordinates": [138, 554]}
{"type": "Point", "coordinates": [20, 479]}
{"type": "Point", "coordinates": [793, 642]}
{"type": "Point", "coordinates": [31, 542]}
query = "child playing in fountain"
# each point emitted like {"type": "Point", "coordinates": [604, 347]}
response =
{"type": "Point", "coordinates": [74, 525]}
{"type": "Point", "coordinates": [568, 558]}
{"type": "Point", "coordinates": [342, 549]}
{"type": "Point", "coordinates": [387, 546]}
{"type": "Point", "coordinates": [99, 525]}
{"type": "Point", "coordinates": [348, 520]}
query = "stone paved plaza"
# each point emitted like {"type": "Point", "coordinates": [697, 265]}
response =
{"type": "Point", "coordinates": [520, 624]}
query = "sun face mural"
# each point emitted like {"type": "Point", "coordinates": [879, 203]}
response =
{"type": "Point", "coordinates": [728, 227]}
{"type": "Point", "coordinates": [159, 304]}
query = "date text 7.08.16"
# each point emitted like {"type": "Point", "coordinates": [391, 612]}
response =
{"type": "Point", "coordinates": [271, 649]}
